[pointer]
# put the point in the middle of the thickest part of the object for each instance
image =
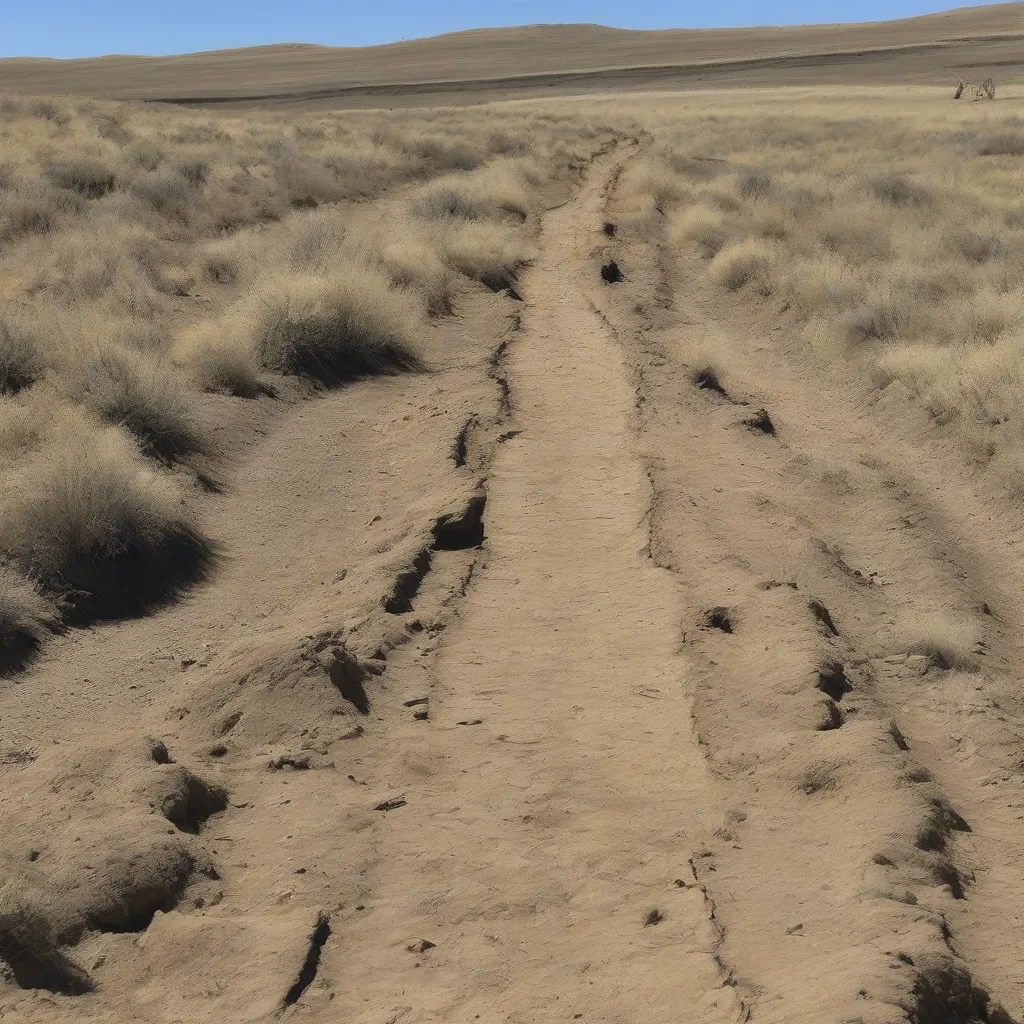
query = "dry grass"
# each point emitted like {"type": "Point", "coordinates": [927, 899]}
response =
{"type": "Point", "coordinates": [91, 521]}
{"type": "Point", "coordinates": [26, 619]}
{"type": "Point", "coordinates": [338, 328]}
{"type": "Point", "coordinates": [148, 255]}
{"type": "Point", "coordinates": [896, 236]}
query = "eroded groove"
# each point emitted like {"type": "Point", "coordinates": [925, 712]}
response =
{"type": "Point", "coordinates": [307, 974]}
{"type": "Point", "coordinates": [832, 680]}
{"type": "Point", "coordinates": [460, 449]}
{"type": "Point", "coordinates": [458, 531]}
{"type": "Point", "coordinates": [407, 584]}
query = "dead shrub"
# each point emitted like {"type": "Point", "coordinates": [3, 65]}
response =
{"type": "Point", "coordinates": [883, 316]}
{"type": "Point", "coordinates": [220, 357]}
{"type": "Point", "coordinates": [50, 110]}
{"type": "Point", "coordinates": [89, 178]}
{"type": "Point", "coordinates": [448, 201]}
{"type": "Point", "coordinates": [749, 261]}
{"type": "Point", "coordinates": [1006, 143]}
{"type": "Point", "coordinates": [484, 252]}
{"type": "Point", "coordinates": [900, 190]}
{"type": "Point", "coordinates": [415, 265]}
{"type": "Point", "coordinates": [27, 618]}
{"type": "Point", "coordinates": [700, 224]}
{"type": "Point", "coordinates": [437, 155]}
{"type": "Point", "coordinates": [37, 211]}
{"type": "Point", "coordinates": [167, 192]}
{"type": "Point", "coordinates": [974, 247]}
{"type": "Point", "coordinates": [336, 329]}
{"type": "Point", "coordinates": [141, 393]}
{"type": "Point", "coordinates": [755, 184]}
{"type": "Point", "coordinates": [21, 362]}
{"type": "Point", "coordinates": [93, 523]}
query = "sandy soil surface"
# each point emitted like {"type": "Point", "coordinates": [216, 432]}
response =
{"type": "Point", "coordinates": [541, 61]}
{"type": "Point", "coordinates": [549, 686]}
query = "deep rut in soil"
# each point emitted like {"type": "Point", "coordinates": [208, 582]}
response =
{"type": "Point", "coordinates": [854, 694]}
{"type": "Point", "coordinates": [544, 844]}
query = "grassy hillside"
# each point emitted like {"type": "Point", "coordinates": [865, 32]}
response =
{"type": "Point", "coordinates": [559, 57]}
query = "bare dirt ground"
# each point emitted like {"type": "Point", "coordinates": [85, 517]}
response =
{"type": "Point", "coordinates": [716, 721]}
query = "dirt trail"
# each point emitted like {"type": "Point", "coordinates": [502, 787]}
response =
{"type": "Point", "coordinates": [720, 723]}
{"type": "Point", "coordinates": [862, 708]}
{"type": "Point", "coordinates": [551, 800]}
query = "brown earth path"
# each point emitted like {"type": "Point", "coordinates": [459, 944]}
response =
{"type": "Point", "coordinates": [552, 800]}
{"type": "Point", "coordinates": [617, 809]}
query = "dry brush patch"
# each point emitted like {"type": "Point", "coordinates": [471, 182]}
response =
{"type": "Point", "coordinates": [148, 254]}
{"type": "Point", "coordinates": [896, 238]}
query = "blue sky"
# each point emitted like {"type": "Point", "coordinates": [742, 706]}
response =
{"type": "Point", "coordinates": [73, 28]}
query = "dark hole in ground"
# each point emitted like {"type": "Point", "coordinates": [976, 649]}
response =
{"type": "Point", "coordinates": [311, 965]}
{"type": "Point", "coordinates": [833, 718]}
{"type": "Point", "coordinates": [707, 380]}
{"type": "Point", "coordinates": [407, 583]}
{"type": "Point", "coordinates": [192, 801]}
{"type": "Point", "coordinates": [948, 817]}
{"type": "Point", "coordinates": [832, 680]}
{"type": "Point", "coordinates": [348, 675]}
{"type": "Point", "coordinates": [465, 530]}
{"type": "Point", "coordinates": [461, 447]}
{"type": "Point", "coordinates": [159, 752]}
{"type": "Point", "coordinates": [945, 874]}
{"type": "Point", "coordinates": [610, 273]}
{"type": "Point", "coordinates": [608, 228]}
{"type": "Point", "coordinates": [761, 421]}
{"type": "Point", "coordinates": [897, 737]}
{"type": "Point", "coordinates": [49, 970]}
{"type": "Point", "coordinates": [718, 618]}
{"type": "Point", "coordinates": [821, 613]}
{"type": "Point", "coordinates": [947, 994]}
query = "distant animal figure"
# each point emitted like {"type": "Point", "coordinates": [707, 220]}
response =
{"type": "Point", "coordinates": [987, 89]}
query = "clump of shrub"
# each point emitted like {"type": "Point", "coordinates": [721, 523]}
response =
{"type": "Point", "coordinates": [220, 358]}
{"type": "Point", "coordinates": [335, 329]}
{"type": "Point", "coordinates": [26, 619]}
{"type": "Point", "coordinates": [89, 178]}
{"type": "Point", "coordinates": [21, 362]}
{"type": "Point", "coordinates": [93, 523]}
{"type": "Point", "coordinates": [900, 190]}
{"type": "Point", "coordinates": [700, 224]}
{"type": "Point", "coordinates": [749, 261]}
{"type": "Point", "coordinates": [1002, 144]}
{"type": "Point", "coordinates": [484, 252]}
{"type": "Point", "coordinates": [141, 393]}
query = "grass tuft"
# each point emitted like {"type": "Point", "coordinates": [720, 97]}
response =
{"type": "Point", "coordinates": [27, 618]}
{"type": "Point", "coordinates": [354, 324]}
{"type": "Point", "coordinates": [96, 525]}
{"type": "Point", "coordinates": [21, 362]}
{"type": "Point", "coordinates": [142, 394]}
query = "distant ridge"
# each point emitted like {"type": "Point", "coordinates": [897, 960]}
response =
{"type": "Point", "coordinates": [537, 59]}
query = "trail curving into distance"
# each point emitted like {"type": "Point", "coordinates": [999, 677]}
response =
{"type": "Point", "coordinates": [545, 845]}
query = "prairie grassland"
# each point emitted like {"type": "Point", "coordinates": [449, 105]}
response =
{"type": "Point", "coordinates": [892, 225]}
{"type": "Point", "coordinates": [148, 254]}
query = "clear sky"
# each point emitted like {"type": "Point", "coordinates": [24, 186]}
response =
{"type": "Point", "coordinates": [80, 28]}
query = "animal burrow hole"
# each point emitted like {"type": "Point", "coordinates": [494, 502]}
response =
{"type": "Point", "coordinates": [718, 618]}
{"type": "Point", "coordinates": [832, 680]}
{"type": "Point", "coordinates": [610, 273]}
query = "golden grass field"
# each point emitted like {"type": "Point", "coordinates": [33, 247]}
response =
{"type": "Point", "coordinates": [521, 525]}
